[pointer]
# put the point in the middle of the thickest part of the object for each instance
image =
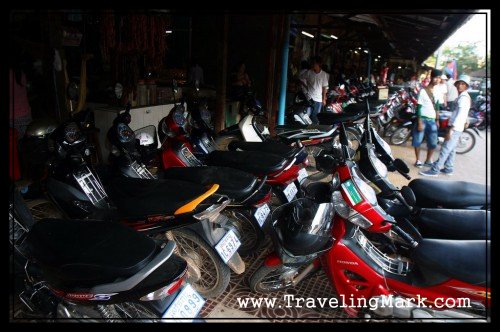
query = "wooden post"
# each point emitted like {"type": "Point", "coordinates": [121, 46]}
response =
{"type": "Point", "coordinates": [271, 60]}
{"type": "Point", "coordinates": [221, 80]}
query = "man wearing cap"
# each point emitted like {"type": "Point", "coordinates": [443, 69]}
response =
{"type": "Point", "coordinates": [456, 126]}
{"type": "Point", "coordinates": [428, 115]}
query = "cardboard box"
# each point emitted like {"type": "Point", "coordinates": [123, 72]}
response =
{"type": "Point", "coordinates": [383, 92]}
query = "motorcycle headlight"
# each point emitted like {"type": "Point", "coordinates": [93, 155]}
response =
{"type": "Point", "coordinates": [379, 166]}
{"type": "Point", "coordinates": [345, 211]}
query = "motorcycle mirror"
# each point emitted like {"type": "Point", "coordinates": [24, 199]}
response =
{"type": "Point", "coordinates": [409, 195]}
{"type": "Point", "coordinates": [401, 165]}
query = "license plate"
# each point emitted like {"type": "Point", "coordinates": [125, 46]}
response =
{"type": "Point", "coordinates": [302, 174]}
{"type": "Point", "coordinates": [186, 305]}
{"type": "Point", "coordinates": [290, 191]}
{"type": "Point", "coordinates": [261, 214]}
{"type": "Point", "coordinates": [228, 245]}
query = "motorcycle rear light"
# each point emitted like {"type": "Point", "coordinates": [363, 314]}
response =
{"type": "Point", "coordinates": [164, 291]}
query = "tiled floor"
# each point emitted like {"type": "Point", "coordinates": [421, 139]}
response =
{"type": "Point", "coordinates": [227, 305]}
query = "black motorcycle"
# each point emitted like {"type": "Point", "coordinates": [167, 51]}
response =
{"type": "Point", "coordinates": [93, 270]}
{"type": "Point", "coordinates": [185, 212]}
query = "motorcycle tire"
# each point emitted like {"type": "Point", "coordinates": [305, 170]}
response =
{"type": "Point", "coordinates": [256, 281]}
{"type": "Point", "coordinates": [249, 232]}
{"type": "Point", "coordinates": [400, 136]}
{"type": "Point", "coordinates": [466, 135]}
{"type": "Point", "coordinates": [211, 281]}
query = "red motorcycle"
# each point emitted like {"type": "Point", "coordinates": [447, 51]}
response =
{"type": "Point", "coordinates": [369, 258]}
{"type": "Point", "coordinates": [178, 151]}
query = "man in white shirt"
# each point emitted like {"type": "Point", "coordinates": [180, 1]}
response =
{"type": "Point", "coordinates": [456, 126]}
{"type": "Point", "coordinates": [316, 85]}
{"type": "Point", "coordinates": [440, 92]}
{"type": "Point", "coordinates": [452, 90]}
{"type": "Point", "coordinates": [426, 124]}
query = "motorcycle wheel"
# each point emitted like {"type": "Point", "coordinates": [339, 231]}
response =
{"type": "Point", "coordinates": [268, 279]}
{"type": "Point", "coordinates": [466, 142]}
{"type": "Point", "coordinates": [353, 137]}
{"type": "Point", "coordinates": [222, 143]}
{"type": "Point", "coordinates": [249, 232]}
{"type": "Point", "coordinates": [207, 273]}
{"type": "Point", "coordinates": [400, 136]}
{"type": "Point", "coordinates": [389, 131]}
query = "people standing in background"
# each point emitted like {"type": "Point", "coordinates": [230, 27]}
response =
{"type": "Point", "coordinates": [452, 90]}
{"type": "Point", "coordinates": [315, 87]}
{"type": "Point", "coordinates": [457, 124]}
{"type": "Point", "coordinates": [427, 123]}
{"type": "Point", "coordinates": [240, 82]}
{"type": "Point", "coordinates": [440, 91]}
{"type": "Point", "coordinates": [195, 77]}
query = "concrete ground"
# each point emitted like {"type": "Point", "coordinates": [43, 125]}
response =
{"type": "Point", "coordinates": [471, 166]}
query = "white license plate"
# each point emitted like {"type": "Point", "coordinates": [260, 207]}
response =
{"type": "Point", "coordinates": [302, 175]}
{"type": "Point", "coordinates": [228, 245]}
{"type": "Point", "coordinates": [261, 214]}
{"type": "Point", "coordinates": [187, 304]}
{"type": "Point", "coordinates": [290, 191]}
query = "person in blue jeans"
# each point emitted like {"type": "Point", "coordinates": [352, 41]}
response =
{"type": "Point", "coordinates": [427, 121]}
{"type": "Point", "coordinates": [458, 122]}
{"type": "Point", "coordinates": [315, 86]}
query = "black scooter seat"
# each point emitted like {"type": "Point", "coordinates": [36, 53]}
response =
{"type": "Point", "coordinates": [88, 252]}
{"type": "Point", "coordinates": [352, 112]}
{"type": "Point", "coordinates": [234, 183]}
{"type": "Point", "coordinates": [456, 259]}
{"type": "Point", "coordinates": [277, 148]}
{"type": "Point", "coordinates": [448, 194]}
{"type": "Point", "coordinates": [258, 163]}
{"type": "Point", "coordinates": [319, 128]}
{"type": "Point", "coordinates": [454, 224]}
{"type": "Point", "coordinates": [138, 198]}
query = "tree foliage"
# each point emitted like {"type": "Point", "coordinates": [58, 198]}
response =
{"type": "Point", "coordinates": [466, 55]}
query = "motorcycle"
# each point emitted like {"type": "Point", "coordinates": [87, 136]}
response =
{"type": "Point", "coordinates": [91, 270]}
{"type": "Point", "coordinates": [461, 224]}
{"type": "Point", "coordinates": [187, 213]}
{"type": "Point", "coordinates": [366, 255]}
{"type": "Point", "coordinates": [280, 173]}
{"type": "Point", "coordinates": [250, 196]}
{"type": "Point", "coordinates": [431, 193]}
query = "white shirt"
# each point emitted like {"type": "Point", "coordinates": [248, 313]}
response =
{"type": "Point", "coordinates": [427, 109]}
{"type": "Point", "coordinates": [452, 90]}
{"type": "Point", "coordinates": [460, 112]}
{"type": "Point", "coordinates": [439, 91]}
{"type": "Point", "coordinates": [315, 82]}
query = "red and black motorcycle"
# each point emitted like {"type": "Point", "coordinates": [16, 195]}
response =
{"type": "Point", "coordinates": [250, 195]}
{"type": "Point", "coordinates": [281, 173]}
{"type": "Point", "coordinates": [366, 255]}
